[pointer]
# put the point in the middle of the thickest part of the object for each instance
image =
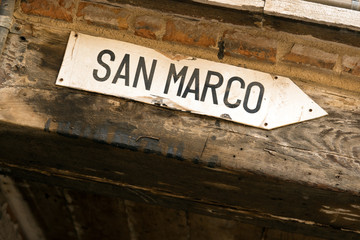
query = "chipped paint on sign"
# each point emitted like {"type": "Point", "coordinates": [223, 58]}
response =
{"type": "Point", "coordinates": [200, 86]}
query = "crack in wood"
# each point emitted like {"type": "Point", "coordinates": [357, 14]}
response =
{"type": "Point", "coordinates": [270, 151]}
{"type": "Point", "coordinates": [207, 138]}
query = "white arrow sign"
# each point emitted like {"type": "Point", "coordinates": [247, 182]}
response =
{"type": "Point", "coordinates": [126, 70]}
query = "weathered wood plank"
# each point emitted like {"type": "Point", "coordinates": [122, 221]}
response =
{"type": "Point", "coordinates": [140, 176]}
{"type": "Point", "coordinates": [272, 234]}
{"type": "Point", "coordinates": [250, 5]}
{"type": "Point", "coordinates": [154, 222]}
{"type": "Point", "coordinates": [209, 228]}
{"type": "Point", "coordinates": [68, 112]}
{"type": "Point", "coordinates": [97, 216]}
{"type": "Point", "coordinates": [75, 113]}
{"type": "Point", "coordinates": [314, 12]}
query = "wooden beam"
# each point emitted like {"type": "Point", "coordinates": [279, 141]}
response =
{"type": "Point", "coordinates": [314, 12]}
{"type": "Point", "coordinates": [250, 5]}
{"type": "Point", "coordinates": [333, 14]}
{"type": "Point", "coordinates": [87, 165]}
{"type": "Point", "coordinates": [93, 216]}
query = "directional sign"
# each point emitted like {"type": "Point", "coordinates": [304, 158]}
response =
{"type": "Point", "coordinates": [185, 83]}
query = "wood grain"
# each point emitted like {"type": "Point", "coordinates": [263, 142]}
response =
{"type": "Point", "coordinates": [314, 12]}
{"type": "Point", "coordinates": [249, 5]}
{"type": "Point", "coordinates": [79, 215]}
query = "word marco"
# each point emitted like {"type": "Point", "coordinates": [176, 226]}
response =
{"type": "Point", "coordinates": [189, 83]}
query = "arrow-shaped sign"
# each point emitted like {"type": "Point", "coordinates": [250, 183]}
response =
{"type": "Point", "coordinates": [200, 86]}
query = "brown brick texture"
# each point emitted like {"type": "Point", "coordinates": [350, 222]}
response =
{"type": "Point", "coordinates": [56, 9]}
{"type": "Point", "coordinates": [103, 15]}
{"type": "Point", "coordinates": [190, 33]}
{"type": "Point", "coordinates": [224, 40]}
{"type": "Point", "coordinates": [351, 64]}
{"type": "Point", "coordinates": [149, 26]}
{"type": "Point", "coordinates": [238, 43]}
{"type": "Point", "coordinates": [310, 56]}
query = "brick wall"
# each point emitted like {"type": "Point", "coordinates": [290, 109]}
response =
{"type": "Point", "coordinates": [256, 47]}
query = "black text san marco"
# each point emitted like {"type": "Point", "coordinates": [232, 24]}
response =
{"type": "Point", "coordinates": [188, 82]}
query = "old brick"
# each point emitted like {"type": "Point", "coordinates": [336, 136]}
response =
{"type": "Point", "coordinates": [102, 15]}
{"type": "Point", "coordinates": [191, 33]}
{"type": "Point", "coordinates": [57, 9]}
{"type": "Point", "coordinates": [148, 26]}
{"type": "Point", "coordinates": [310, 56]}
{"type": "Point", "coordinates": [243, 44]}
{"type": "Point", "coordinates": [351, 65]}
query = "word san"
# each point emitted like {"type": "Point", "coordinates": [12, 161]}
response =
{"type": "Point", "coordinates": [188, 82]}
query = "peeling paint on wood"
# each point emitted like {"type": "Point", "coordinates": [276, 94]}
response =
{"type": "Point", "coordinates": [314, 12]}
